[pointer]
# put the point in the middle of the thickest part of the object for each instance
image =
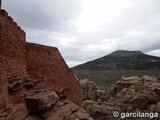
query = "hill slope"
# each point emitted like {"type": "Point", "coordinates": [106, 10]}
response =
{"type": "Point", "coordinates": [110, 68]}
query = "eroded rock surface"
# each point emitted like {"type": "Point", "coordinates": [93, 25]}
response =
{"type": "Point", "coordinates": [44, 105]}
{"type": "Point", "coordinates": [130, 94]}
{"type": "Point", "coordinates": [38, 101]}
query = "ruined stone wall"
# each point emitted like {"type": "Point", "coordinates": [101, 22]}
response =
{"type": "Point", "coordinates": [12, 55]}
{"type": "Point", "coordinates": [47, 66]}
{"type": "Point", "coordinates": [12, 45]}
{"type": "Point", "coordinates": [3, 83]}
{"type": "Point", "coordinates": [19, 59]}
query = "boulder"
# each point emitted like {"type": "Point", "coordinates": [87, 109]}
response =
{"type": "Point", "coordinates": [127, 82]}
{"type": "Point", "coordinates": [154, 86]}
{"type": "Point", "coordinates": [147, 78]}
{"type": "Point", "coordinates": [59, 104]}
{"type": "Point", "coordinates": [82, 114]}
{"type": "Point", "coordinates": [66, 111]}
{"type": "Point", "coordinates": [88, 89]}
{"type": "Point", "coordinates": [40, 100]}
{"type": "Point", "coordinates": [133, 80]}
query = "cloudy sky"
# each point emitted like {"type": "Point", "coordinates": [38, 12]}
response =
{"type": "Point", "coordinates": [85, 30]}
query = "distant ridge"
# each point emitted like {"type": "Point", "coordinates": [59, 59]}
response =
{"type": "Point", "coordinates": [120, 59]}
{"type": "Point", "coordinates": [118, 63]}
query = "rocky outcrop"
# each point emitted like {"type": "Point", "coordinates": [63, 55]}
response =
{"type": "Point", "coordinates": [100, 110]}
{"type": "Point", "coordinates": [44, 105]}
{"type": "Point", "coordinates": [90, 90]}
{"type": "Point", "coordinates": [38, 101]}
{"type": "Point", "coordinates": [126, 82]}
{"type": "Point", "coordinates": [140, 94]}
{"type": "Point", "coordinates": [66, 110]}
{"type": "Point", "coordinates": [130, 94]}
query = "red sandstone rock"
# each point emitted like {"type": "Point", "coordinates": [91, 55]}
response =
{"type": "Point", "coordinates": [67, 111]}
{"type": "Point", "coordinates": [40, 100]}
{"type": "Point", "coordinates": [82, 114]}
{"type": "Point", "coordinates": [20, 112]}
{"type": "Point", "coordinates": [61, 110]}
{"type": "Point", "coordinates": [4, 113]}
{"type": "Point", "coordinates": [59, 104]}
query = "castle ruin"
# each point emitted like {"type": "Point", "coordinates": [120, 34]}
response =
{"type": "Point", "coordinates": [19, 58]}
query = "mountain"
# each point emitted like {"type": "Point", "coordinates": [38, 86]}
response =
{"type": "Point", "coordinates": [110, 68]}
{"type": "Point", "coordinates": [119, 60]}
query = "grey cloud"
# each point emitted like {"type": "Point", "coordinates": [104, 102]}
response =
{"type": "Point", "coordinates": [51, 23]}
{"type": "Point", "coordinates": [154, 45]}
{"type": "Point", "coordinates": [42, 14]}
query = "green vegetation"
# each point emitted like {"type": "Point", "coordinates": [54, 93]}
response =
{"type": "Point", "coordinates": [136, 61]}
{"type": "Point", "coordinates": [108, 69]}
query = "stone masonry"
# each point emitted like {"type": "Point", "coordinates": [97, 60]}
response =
{"type": "Point", "coordinates": [47, 66]}
{"type": "Point", "coordinates": [43, 64]}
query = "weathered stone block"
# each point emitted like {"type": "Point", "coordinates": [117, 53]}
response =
{"type": "Point", "coordinates": [40, 100]}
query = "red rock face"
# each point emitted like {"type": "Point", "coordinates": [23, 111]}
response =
{"type": "Point", "coordinates": [48, 67]}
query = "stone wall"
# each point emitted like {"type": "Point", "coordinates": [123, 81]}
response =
{"type": "Point", "coordinates": [19, 60]}
{"type": "Point", "coordinates": [48, 67]}
{"type": "Point", "coordinates": [12, 55]}
{"type": "Point", "coordinates": [12, 45]}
